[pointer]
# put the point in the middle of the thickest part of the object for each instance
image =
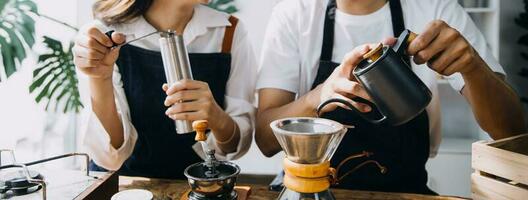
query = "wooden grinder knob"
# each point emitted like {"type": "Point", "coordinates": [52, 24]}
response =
{"type": "Point", "coordinates": [200, 126]}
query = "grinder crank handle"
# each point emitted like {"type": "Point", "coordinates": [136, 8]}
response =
{"type": "Point", "coordinates": [109, 35]}
{"type": "Point", "coordinates": [200, 126]}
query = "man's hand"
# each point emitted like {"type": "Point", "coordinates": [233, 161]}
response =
{"type": "Point", "coordinates": [341, 85]}
{"type": "Point", "coordinates": [444, 50]}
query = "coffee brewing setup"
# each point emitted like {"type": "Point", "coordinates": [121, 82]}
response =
{"type": "Point", "coordinates": [309, 143]}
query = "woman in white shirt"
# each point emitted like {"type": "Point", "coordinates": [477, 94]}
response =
{"type": "Point", "coordinates": [130, 126]}
{"type": "Point", "coordinates": [305, 41]}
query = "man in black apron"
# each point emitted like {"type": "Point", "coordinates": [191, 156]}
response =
{"type": "Point", "coordinates": [404, 149]}
{"type": "Point", "coordinates": [159, 152]}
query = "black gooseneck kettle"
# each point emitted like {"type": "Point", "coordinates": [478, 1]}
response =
{"type": "Point", "coordinates": [396, 91]}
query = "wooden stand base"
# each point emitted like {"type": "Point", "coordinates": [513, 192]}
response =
{"type": "Point", "coordinates": [242, 191]}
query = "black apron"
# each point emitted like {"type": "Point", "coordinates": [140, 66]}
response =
{"type": "Point", "coordinates": [404, 149]}
{"type": "Point", "coordinates": [159, 151]}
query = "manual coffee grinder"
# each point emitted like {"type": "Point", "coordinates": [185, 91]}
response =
{"type": "Point", "coordinates": [211, 179]}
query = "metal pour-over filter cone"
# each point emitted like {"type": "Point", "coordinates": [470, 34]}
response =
{"type": "Point", "coordinates": [308, 140]}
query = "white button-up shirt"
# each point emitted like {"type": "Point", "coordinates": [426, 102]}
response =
{"type": "Point", "coordinates": [203, 34]}
{"type": "Point", "coordinates": [293, 43]}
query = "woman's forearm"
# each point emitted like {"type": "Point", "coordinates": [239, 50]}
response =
{"type": "Point", "coordinates": [495, 105]}
{"type": "Point", "coordinates": [226, 132]}
{"type": "Point", "coordinates": [104, 107]}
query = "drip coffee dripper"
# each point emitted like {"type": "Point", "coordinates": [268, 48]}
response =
{"type": "Point", "coordinates": [309, 144]}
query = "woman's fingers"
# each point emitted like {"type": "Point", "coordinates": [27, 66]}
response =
{"type": "Point", "coordinates": [96, 34]}
{"type": "Point", "coordinates": [87, 53]}
{"type": "Point", "coordinates": [165, 87]}
{"type": "Point", "coordinates": [191, 106]}
{"type": "Point", "coordinates": [86, 63]}
{"type": "Point", "coordinates": [185, 85]}
{"type": "Point", "coordinates": [190, 116]}
{"type": "Point", "coordinates": [118, 38]}
{"type": "Point", "coordinates": [183, 96]}
{"type": "Point", "coordinates": [90, 43]}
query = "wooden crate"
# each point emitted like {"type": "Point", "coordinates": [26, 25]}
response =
{"type": "Point", "coordinates": [501, 169]}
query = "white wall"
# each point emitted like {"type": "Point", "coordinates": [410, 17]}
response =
{"type": "Point", "coordinates": [255, 14]}
{"type": "Point", "coordinates": [23, 122]}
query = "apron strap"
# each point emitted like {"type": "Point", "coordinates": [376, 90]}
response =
{"type": "Point", "coordinates": [398, 26]}
{"type": "Point", "coordinates": [328, 35]}
{"type": "Point", "coordinates": [229, 34]}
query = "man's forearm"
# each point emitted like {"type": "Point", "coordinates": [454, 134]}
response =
{"type": "Point", "coordinates": [302, 107]}
{"type": "Point", "coordinates": [104, 107]}
{"type": "Point", "coordinates": [495, 105]}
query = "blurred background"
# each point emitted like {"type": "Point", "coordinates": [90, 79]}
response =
{"type": "Point", "coordinates": [39, 96]}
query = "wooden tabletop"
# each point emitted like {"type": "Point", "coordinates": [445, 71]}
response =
{"type": "Point", "coordinates": [174, 189]}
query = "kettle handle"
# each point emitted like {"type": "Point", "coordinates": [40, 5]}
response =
{"type": "Point", "coordinates": [349, 105]}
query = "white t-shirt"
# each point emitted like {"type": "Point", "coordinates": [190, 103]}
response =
{"type": "Point", "coordinates": [293, 43]}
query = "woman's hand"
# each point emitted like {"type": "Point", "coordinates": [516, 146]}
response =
{"type": "Point", "coordinates": [445, 50]}
{"type": "Point", "coordinates": [340, 84]}
{"type": "Point", "coordinates": [193, 100]}
{"type": "Point", "coordinates": [93, 54]}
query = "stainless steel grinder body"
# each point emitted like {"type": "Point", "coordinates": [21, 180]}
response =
{"type": "Point", "coordinates": [177, 67]}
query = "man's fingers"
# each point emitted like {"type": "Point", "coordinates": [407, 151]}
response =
{"type": "Point", "coordinates": [99, 36]}
{"type": "Point", "coordinates": [353, 58]}
{"type": "Point", "coordinates": [424, 39]}
{"type": "Point", "coordinates": [359, 106]}
{"type": "Point", "coordinates": [344, 87]}
{"type": "Point", "coordinates": [447, 57]}
{"type": "Point", "coordinates": [458, 64]}
{"type": "Point", "coordinates": [390, 41]}
{"type": "Point", "coordinates": [446, 37]}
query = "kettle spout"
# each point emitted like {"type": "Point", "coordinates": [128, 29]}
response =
{"type": "Point", "coordinates": [405, 38]}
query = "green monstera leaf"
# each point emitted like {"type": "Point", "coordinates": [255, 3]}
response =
{"type": "Point", "coordinates": [55, 78]}
{"type": "Point", "coordinates": [224, 6]}
{"type": "Point", "coordinates": [17, 32]}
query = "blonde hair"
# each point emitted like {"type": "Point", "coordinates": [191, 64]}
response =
{"type": "Point", "coordinates": [119, 11]}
